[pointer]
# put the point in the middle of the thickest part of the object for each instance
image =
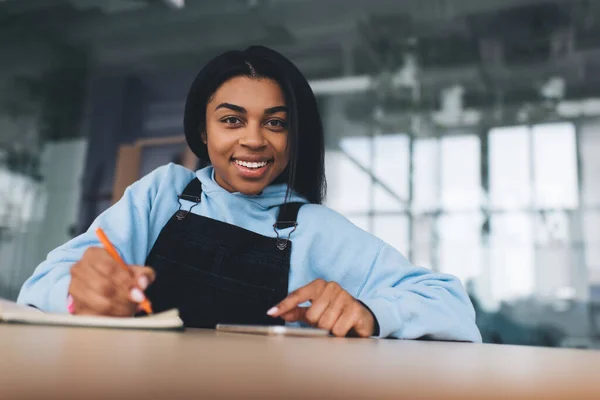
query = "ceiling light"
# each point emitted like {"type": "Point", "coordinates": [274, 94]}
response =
{"type": "Point", "coordinates": [176, 3]}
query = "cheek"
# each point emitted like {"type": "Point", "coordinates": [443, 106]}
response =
{"type": "Point", "coordinates": [217, 142]}
{"type": "Point", "coordinates": [280, 146]}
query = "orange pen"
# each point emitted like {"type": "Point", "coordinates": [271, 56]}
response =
{"type": "Point", "coordinates": [145, 305]}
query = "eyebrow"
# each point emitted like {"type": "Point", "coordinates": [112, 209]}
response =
{"type": "Point", "coordinates": [242, 110]}
{"type": "Point", "coordinates": [231, 107]}
{"type": "Point", "coordinates": [274, 110]}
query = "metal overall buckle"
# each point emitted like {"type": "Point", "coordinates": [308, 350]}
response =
{"type": "Point", "coordinates": [283, 242]}
{"type": "Point", "coordinates": [181, 214]}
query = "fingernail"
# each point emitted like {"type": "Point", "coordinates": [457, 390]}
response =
{"type": "Point", "coordinates": [137, 295]}
{"type": "Point", "coordinates": [70, 305]}
{"type": "Point", "coordinates": [143, 282]}
{"type": "Point", "coordinates": [272, 311]}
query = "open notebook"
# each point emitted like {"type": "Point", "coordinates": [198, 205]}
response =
{"type": "Point", "coordinates": [18, 314]}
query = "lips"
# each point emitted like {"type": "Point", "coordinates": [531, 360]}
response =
{"type": "Point", "coordinates": [251, 164]}
{"type": "Point", "coordinates": [252, 168]}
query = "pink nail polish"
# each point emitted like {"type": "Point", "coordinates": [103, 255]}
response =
{"type": "Point", "coordinates": [70, 305]}
{"type": "Point", "coordinates": [137, 295]}
{"type": "Point", "coordinates": [143, 282]}
{"type": "Point", "coordinates": [272, 311]}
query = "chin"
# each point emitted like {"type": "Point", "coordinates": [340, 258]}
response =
{"type": "Point", "coordinates": [250, 190]}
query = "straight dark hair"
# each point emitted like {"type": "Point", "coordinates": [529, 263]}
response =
{"type": "Point", "coordinates": [305, 173]}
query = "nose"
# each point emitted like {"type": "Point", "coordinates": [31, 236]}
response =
{"type": "Point", "coordinates": [253, 138]}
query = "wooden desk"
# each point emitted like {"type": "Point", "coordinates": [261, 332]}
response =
{"type": "Point", "coordinates": [78, 363]}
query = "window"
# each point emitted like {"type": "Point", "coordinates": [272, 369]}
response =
{"type": "Point", "coordinates": [348, 186]}
{"type": "Point", "coordinates": [591, 233]}
{"type": "Point", "coordinates": [424, 241]}
{"type": "Point", "coordinates": [426, 171]}
{"type": "Point", "coordinates": [460, 173]}
{"type": "Point", "coordinates": [516, 243]}
{"type": "Point", "coordinates": [391, 168]}
{"type": "Point", "coordinates": [372, 192]}
{"type": "Point", "coordinates": [460, 244]}
{"type": "Point", "coordinates": [590, 148]}
{"type": "Point", "coordinates": [393, 229]}
{"type": "Point", "coordinates": [509, 168]}
{"type": "Point", "coordinates": [533, 167]}
{"type": "Point", "coordinates": [533, 183]}
{"type": "Point", "coordinates": [555, 166]}
{"type": "Point", "coordinates": [511, 256]}
{"type": "Point", "coordinates": [554, 261]}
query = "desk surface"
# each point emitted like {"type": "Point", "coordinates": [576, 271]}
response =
{"type": "Point", "coordinates": [80, 363]}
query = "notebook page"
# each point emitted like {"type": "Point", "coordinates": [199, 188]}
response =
{"type": "Point", "coordinates": [15, 313]}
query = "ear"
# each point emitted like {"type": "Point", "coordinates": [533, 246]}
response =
{"type": "Point", "coordinates": [203, 137]}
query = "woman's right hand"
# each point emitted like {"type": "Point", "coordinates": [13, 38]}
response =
{"type": "Point", "coordinates": [100, 286]}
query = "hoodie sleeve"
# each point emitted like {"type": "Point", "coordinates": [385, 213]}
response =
{"type": "Point", "coordinates": [408, 302]}
{"type": "Point", "coordinates": [414, 303]}
{"type": "Point", "coordinates": [126, 223]}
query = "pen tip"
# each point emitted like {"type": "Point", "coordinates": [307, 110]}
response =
{"type": "Point", "coordinates": [146, 307]}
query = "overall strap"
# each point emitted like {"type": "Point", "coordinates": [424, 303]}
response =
{"type": "Point", "coordinates": [192, 191]}
{"type": "Point", "coordinates": [288, 215]}
{"type": "Point", "coordinates": [287, 218]}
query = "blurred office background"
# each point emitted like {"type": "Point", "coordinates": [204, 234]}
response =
{"type": "Point", "coordinates": [466, 133]}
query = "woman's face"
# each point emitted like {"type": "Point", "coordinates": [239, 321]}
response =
{"type": "Point", "coordinates": [246, 134]}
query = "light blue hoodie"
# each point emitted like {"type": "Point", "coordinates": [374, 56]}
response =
{"type": "Point", "coordinates": [409, 302]}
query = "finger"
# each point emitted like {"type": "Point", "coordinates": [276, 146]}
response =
{"type": "Point", "coordinates": [365, 322]}
{"type": "Point", "coordinates": [102, 307]}
{"type": "Point", "coordinates": [333, 312]}
{"type": "Point", "coordinates": [71, 304]}
{"type": "Point", "coordinates": [295, 314]}
{"type": "Point", "coordinates": [124, 280]}
{"type": "Point", "coordinates": [84, 296]}
{"type": "Point", "coordinates": [297, 297]}
{"type": "Point", "coordinates": [343, 325]}
{"type": "Point", "coordinates": [80, 308]}
{"type": "Point", "coordinates": [91, 303]}
{"type": "Point", "coordinates": [143, 276]}
{"type": "Point", "coordinates": [103, 263]}
{"type": "Point", "coordinates": [319, 305]}
{"type": "Point", "coordinates": [93, 281]}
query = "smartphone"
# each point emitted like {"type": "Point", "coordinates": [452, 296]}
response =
{"type": "Point", "coordinates": [273, 330]}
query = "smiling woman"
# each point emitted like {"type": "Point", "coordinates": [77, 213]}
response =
{"type": "Point", "coordinates": [246, 240]}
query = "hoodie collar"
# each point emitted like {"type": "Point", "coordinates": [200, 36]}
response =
{"type": "Point", "coordinates": [272, 195]}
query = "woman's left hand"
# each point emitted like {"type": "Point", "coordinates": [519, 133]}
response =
{"type": "Point", "coordinates": [332, 309]}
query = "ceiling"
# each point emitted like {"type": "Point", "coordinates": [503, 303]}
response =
{"type": "Point", "coordinates": [482, 45]}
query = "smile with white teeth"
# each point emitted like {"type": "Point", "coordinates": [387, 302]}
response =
{"type": "Point", "coordinates": [248, 164]}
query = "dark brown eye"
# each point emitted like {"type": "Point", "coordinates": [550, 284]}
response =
{"type": "Point", "coordinates": [276, 123]}
{"type": "Point", "coordinates": [231, 120]}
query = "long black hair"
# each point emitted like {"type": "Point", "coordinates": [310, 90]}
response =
{"type": "Point", "coordinates": [305, 173]}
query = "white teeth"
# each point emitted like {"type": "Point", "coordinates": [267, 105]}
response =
{"type": "Point", "coordinates": [248, 164]}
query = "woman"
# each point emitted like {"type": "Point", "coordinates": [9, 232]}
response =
{"type": "Point", "coordinates": [246, 239]}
